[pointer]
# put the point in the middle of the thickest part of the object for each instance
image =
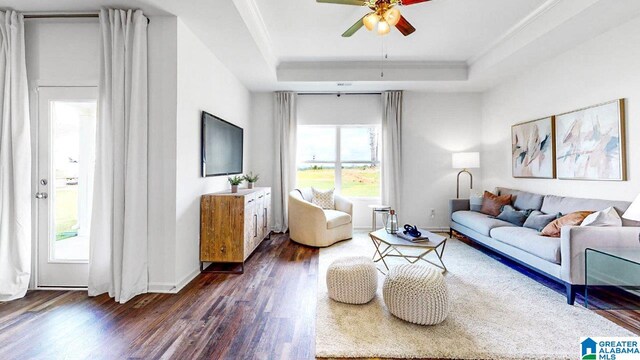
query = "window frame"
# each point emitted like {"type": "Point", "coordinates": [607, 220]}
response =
{"type": "Point", "coordinates": [338, 158]}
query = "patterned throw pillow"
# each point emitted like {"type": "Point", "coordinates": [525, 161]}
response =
{"type": "Point", "coordinates": [324, 199]}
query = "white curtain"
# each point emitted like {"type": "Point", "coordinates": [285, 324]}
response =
{"type": "Point", "coordinates": [15, 161]}
{"type": "Point", "coordinates": [284, 176]}
{"type": "Point", "coordinates": [391, 148]}
{"type": "Point", "coordinates": [118, 255]}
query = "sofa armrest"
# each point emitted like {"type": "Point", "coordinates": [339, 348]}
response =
{"type": "Point", "coordinates": [575, 239]}
{"type": "Point", "coordinates": [458, 205]}
{"type": "Point", "coordinates": [343, 204]}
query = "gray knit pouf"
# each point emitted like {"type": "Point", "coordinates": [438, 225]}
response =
{"type": "Point", "coordinates": [352, 280]}
{"type": "Point", "coordinates": [416, 294]}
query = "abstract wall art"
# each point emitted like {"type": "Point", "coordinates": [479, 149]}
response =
{"type": "Point", "coordinates": [590, 143]}
{"type": "Point", "coordinates": [532, 152]}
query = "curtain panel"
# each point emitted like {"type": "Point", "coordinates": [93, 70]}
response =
{"type": "Point", "coordinates": [284, 177]}
{"type": "Point", "coordinates": [15, 160]}
{"type": "Point", "coordinates": [118, 252]}
{"type": "Point", "coordinates": [392, 148]}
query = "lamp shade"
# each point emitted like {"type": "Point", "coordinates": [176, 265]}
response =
{"type": "Point", "coordinates": [633, 212]}
{"type": "Point", "coordinates": [466, 160]}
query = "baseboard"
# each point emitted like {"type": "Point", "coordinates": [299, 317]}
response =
{"type": "Point", "coordinates": [168, 288]}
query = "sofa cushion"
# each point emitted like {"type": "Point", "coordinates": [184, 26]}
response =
{"type": "Point", "coordinates": [559, 204]}
{"type": "Point", "coordinates": [529, 240]}
{"type": "Point", "coordinates": [522, 200]}
{"type": "Point", "coordinates": [479, 222]}
{"type": "Point", "coordinates": [606, 217]}
{"type": "Point", "coordinates": [573, 219]}
{"type": "Point", "coordinates": [492, 204]}
{"type": "Point", "coordinates": [510, 214]}
{"type": "Point", "coordinates": [537, 220]}
{"type": "Point", "coordinates": [336, 218]}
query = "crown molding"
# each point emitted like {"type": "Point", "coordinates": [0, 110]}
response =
{"type": "Point", "coordinates": [319, 71]}
{"type": "Point", "coordinates": [516, 29]}
{"type": "Point", "coordinates": [250, 13]}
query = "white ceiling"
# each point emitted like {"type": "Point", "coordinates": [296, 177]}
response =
{"type": "Point", "coordinates": [459, 45]}
{"type": "Point", "coordinates": [447, 30]}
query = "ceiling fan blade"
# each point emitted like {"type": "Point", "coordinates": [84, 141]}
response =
{"type": "Point", "coordinates": [355, 27]}
{"type": "Point", "coordinates": [405, 27]}
{"type": "Point", "coordinates": [343, 2]}
{"type": "Point", "coordinates": [411, 2]}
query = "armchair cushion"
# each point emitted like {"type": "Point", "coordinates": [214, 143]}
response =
{"type": "Point", "coordinates": [336, 218]}
{"type": "Point", "coordinates": [324, 199]}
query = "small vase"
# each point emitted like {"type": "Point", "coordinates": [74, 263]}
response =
{"type": "Point", "coordinates": [250, 185]}
{"type": "Point", "coordinates": [234, 189]}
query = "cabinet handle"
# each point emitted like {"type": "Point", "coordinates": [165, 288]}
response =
{"type": "Point", "coordinates": [255, 225]}
{"type": "Point", "coordinates": [251, 200]}
{"type": "Point", "coordinates": [222, 249]}
{"type": "Point", "coordinates": [264, 225]}
{"type": "Point", "coordinates": [260, 197]}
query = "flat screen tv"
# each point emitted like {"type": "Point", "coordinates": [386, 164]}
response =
{"type": "Point", "coordinates": [221, 146]}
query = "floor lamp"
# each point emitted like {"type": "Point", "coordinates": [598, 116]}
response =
{"type": "Point", "coordinates": [465, 161]}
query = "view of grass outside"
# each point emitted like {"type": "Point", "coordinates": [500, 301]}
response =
{"type": "Point", "coordinates": [356, 154]}
{"type": "Point", "coordinates": [360, 181]}
{"type": "Point", "coordinates": [66, 212]}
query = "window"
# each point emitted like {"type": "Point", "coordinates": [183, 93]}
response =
{"type": "Point", "coordinates": [342, 157]}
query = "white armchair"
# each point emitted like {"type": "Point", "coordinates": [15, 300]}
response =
{"type": "Point", "coordinates": [310, 225]}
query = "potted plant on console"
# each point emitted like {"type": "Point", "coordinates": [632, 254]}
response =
{"type": "Point", "coordinates": [235, 181]}
{"type": "Point", "coordinates": [251, 179]}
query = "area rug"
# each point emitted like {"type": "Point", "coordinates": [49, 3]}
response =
{"type": "Point", "coordinates": [496, 313]}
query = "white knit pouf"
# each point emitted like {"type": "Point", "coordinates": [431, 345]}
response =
{"type": "Point", "coordinates": [416, 294]}
{"type": "Point", "coordinates": [352, 280]}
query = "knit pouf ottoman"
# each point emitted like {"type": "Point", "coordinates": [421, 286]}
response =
{"type": "Point", "coordinates": [352, 280]}
{"type": "Point", "coordinates": [416, 294]}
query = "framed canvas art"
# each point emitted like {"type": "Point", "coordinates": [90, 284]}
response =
{"type": "Point", "coordinates": [590, 143]}
{"type": "Point", "coordinates": [532, 149]}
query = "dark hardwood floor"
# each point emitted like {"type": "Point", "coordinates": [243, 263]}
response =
{"type": "Point", "coordinates": [267, 313]}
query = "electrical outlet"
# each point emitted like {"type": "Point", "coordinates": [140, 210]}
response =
{"type": "Point", "coordinates": [433, 213]}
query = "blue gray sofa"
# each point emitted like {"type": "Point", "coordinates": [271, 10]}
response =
{"type": "Point", "coordinates": [561, 259]}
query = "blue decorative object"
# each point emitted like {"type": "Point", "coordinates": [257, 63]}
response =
{"type": "Point", "coordinates": [412, 231]}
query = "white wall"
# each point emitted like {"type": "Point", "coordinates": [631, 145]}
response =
{"type": "Point", "coordinates": [434, 125]}
{"type": "Point", "coordinates": [261, 146]}
{"type": "Point", "coordinates": [203, 84]}
{"type": "Point", "coordinates": [603, 68]}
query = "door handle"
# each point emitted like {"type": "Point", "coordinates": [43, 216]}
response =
{"type": "Point", "coordinates": [42, 195]}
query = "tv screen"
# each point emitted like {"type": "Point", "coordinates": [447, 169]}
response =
{"type": "Point", "coordinates": [221, 146]}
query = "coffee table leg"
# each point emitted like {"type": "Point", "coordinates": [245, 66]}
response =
{"type": "Point", "coordinates": [377, 246]}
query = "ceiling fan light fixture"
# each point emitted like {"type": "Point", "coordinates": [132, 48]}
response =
{"type": "Point", "coordinates": [383, 28]}
{"type": "Point", "coordinates": [392, 16]}
{"type": "Point", "coordinates": [370, 21]}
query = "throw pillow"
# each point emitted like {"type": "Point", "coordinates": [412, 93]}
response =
{"type": "Point", "coordinates": [513, 216]}
{"type": "Point", "coordinates": [492, 203]}
{"type": "Point", "coordinates": [537, 220]}
{"type": "Point", "coordinates": [606, 217]}
{"type": "Point", "coordinates": [573, 219]}
{"type": "Point", "coordinates": [324, 199]}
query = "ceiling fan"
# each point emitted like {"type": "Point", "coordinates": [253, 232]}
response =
{"type": "Point", "coordinates": [384, 15]}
